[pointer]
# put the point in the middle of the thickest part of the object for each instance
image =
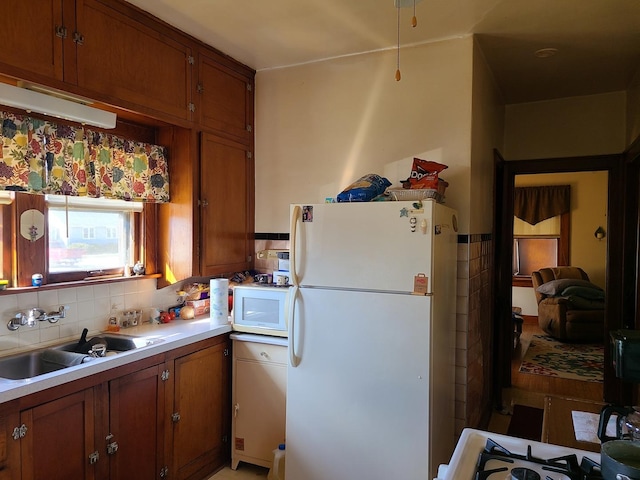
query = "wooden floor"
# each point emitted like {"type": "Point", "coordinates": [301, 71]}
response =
{"type": "Point", "coordinates": [530, 390]}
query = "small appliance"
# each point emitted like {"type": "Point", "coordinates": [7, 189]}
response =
{"type": "Point", "coordinates": [260, 309]}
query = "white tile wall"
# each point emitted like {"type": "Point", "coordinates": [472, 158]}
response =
{"type": "Point", "coordinates": [89, 307]}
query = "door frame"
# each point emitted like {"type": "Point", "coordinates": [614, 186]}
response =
{"type": "Point", "coordinates": [621, 243]}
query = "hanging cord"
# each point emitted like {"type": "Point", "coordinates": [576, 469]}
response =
{"type": "Point", "coordinates": [414, 20]}
{"type": "Point", "coordinates": [398, 76]}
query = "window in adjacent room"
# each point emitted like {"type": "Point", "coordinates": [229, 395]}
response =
{"type": "Point", "coordinates": [540, 230]}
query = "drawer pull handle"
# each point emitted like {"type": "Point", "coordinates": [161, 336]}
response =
{"type": "Point", "coordinates": [264, 354]}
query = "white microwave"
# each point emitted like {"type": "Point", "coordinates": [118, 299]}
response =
{"type": "Point", "coordinates": [260, 309]}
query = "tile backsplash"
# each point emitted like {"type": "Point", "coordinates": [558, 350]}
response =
{"type": "Point", "coordinates": [89, 307]}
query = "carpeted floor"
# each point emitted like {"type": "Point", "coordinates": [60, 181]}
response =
{"type": "Point", "coordinates": [547, 356]}
{"type": "Point", "coordinates": [526, 422]}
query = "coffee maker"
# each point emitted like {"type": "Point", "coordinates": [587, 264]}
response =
{"type": "Point", "coordinates": [619, 454]}
{"type": "Point", "coordinates": [626, 363]}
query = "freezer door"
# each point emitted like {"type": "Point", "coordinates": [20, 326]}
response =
{"type": "Point", "coordinates": [366, 246]}
{"type": "Point", "coordinates": [367, 393]}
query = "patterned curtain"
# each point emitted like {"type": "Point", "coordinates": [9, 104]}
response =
{"type": "Point", "coordinates": [39, 156]}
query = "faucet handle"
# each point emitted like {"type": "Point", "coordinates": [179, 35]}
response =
{"type": "Point", "coordinates": [17, 320]}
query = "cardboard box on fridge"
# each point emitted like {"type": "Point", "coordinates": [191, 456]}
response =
{"type": "Point", "coordinates": [200, 307]}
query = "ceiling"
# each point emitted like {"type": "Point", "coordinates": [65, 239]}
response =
{"type": "Point", "coordinates": [598, 41]}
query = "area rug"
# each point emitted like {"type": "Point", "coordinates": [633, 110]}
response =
{"type": "Point", "coordinates": [547, 356]}
{"type": "Point", "coordinates": [526, 422]}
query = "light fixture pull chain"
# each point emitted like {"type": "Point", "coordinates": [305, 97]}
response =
{"type": "Point", "coordinates": [414, 20]}
{"type": "Point", "coordinates": [398, 76]}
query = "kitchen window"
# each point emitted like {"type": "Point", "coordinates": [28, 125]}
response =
{"type": "Point", "coordinates": [89, 236]}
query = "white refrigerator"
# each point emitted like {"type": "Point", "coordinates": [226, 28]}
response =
{"type": "Point", "coordinates": [370, 380]}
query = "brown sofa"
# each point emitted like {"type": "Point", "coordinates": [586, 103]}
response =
{"type": "Point", "coordinates": [557, 312]}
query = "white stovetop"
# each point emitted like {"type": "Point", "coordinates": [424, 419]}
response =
{"type": "Point", "coordinates": [173, 335]}
{"type": "Point", "coordinates": [463, 461]}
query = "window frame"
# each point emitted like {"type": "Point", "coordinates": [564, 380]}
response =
{"type": "Point", "coordinates": [27, 258]}
{"type": "Point", "coordinates": [76, 275]}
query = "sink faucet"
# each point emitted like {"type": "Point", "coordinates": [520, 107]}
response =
{"type": "Point", "coordinates": [36, 315]}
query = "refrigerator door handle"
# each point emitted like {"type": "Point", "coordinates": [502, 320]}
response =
{"type": "Point", "coordinates": [295, 215]}
{"type": "Point", "coordinates": [294, 360]}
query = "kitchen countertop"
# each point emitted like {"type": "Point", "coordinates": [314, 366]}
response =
{"type": "Point", "coordinates": [173, 335]}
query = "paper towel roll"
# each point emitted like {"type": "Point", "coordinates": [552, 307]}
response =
{"type": "Point", "coordinates": [219, 301]}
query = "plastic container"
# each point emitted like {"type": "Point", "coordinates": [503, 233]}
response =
{"type": "Point", "coordinates": [36, 279]}
{"type": "Point", "coordinates": [277, 470]}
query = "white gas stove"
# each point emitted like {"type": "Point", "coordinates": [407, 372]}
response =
{"type": "Point", "coordinates": [481, 455]}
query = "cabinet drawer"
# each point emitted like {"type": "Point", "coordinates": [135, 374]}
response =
{"type": "Point", "coordinates": [260, 352]}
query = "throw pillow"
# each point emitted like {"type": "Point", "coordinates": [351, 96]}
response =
{"type": "Point", "coordinates": [584, 292]}
{"type": "Point", "coordinates": [556, 287]}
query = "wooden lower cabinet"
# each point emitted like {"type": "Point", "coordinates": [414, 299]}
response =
{"type": "Point", "coordinates": [201, 402]}
{"type": "Point", "coordinates": [58, 439]}
{"type": "Point", "coordinates": [167, 420]}
{"type": "Point", "coordinates": [134, 443]}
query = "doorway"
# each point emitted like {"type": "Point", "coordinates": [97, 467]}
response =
{"type": "Point", "coordinates": [506, 171]}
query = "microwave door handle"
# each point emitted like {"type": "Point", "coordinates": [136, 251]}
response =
{"type": "Point", "coordinates": [295, 215]}
{"type": "Point", "coordinates": [294, 360]}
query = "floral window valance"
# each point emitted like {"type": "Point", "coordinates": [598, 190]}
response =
{"type": "Point", "coordinates": [39, 156]}
{"type": "Point", "coordinates": [534, 204]}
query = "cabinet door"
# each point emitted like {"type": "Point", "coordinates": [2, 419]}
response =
{"type": "Point", "coordinates": [132, 63]}
{"type": "Point", "coordinates": [201, 399]}
{"type": "Point", "coordinates": [226, 199]}
{"type": "Point", "coordinates": [9, 447]}
{"type": "Point", "coordinates": [29, 40]}
{"type": "Point", "coordinates": [259, 402]}
{"type": "Point", "coordinates": [136, 432]}
{"type": "Point", "coordinates": [225, 99]}
{"type": "Point", "coordinates": [59, 439]}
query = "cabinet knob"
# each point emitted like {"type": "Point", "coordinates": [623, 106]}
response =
{"type": "Point", "coordinates": [236, 408]}
{"type": "Point", "coordinates": [61, 31]}
{"type": "Point", "coordinates": [175, 418]}
{"type": "Point", "coordinates": [78, 38]}
{"type": "Point", "coordinates": [112, 448]}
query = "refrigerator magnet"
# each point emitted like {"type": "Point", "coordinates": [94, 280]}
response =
{"type": "Point", "coordinates": [420, 284]}
{"type": "Point", "coordinates": [307, 213]}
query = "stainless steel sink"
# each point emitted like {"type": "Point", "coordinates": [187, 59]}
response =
{"type": "Point", "coordinates": [26, 365]}
{"type": "Point", "coordinates": [38, 362]}
{"type": "Point", "coordinates": [115, 343]}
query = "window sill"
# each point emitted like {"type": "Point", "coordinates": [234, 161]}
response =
{"type": "Point", "coordinates": [521, 281]}
{"type": "Point", "coordinates": [79, 283]}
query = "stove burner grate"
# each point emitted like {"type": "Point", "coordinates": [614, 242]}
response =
{"type": "Point", "coordinates": [566, 465]}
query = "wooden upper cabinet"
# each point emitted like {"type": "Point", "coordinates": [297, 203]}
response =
{"type": "Point", "coordinates": [226, 206]}
{"type": "Point", "coordinates": [224, 97]}
{"type": "Point", "coordinates": [130, 63]}
{"type": "Point", "coordinates": [29, 40]}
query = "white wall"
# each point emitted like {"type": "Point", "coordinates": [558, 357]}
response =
{"type": "Point", "coordinates": [589, 125]}
{"type": "Point", "coordinates": [321, 126]}
{"type": "Point", "coordinates": [487, 134]}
